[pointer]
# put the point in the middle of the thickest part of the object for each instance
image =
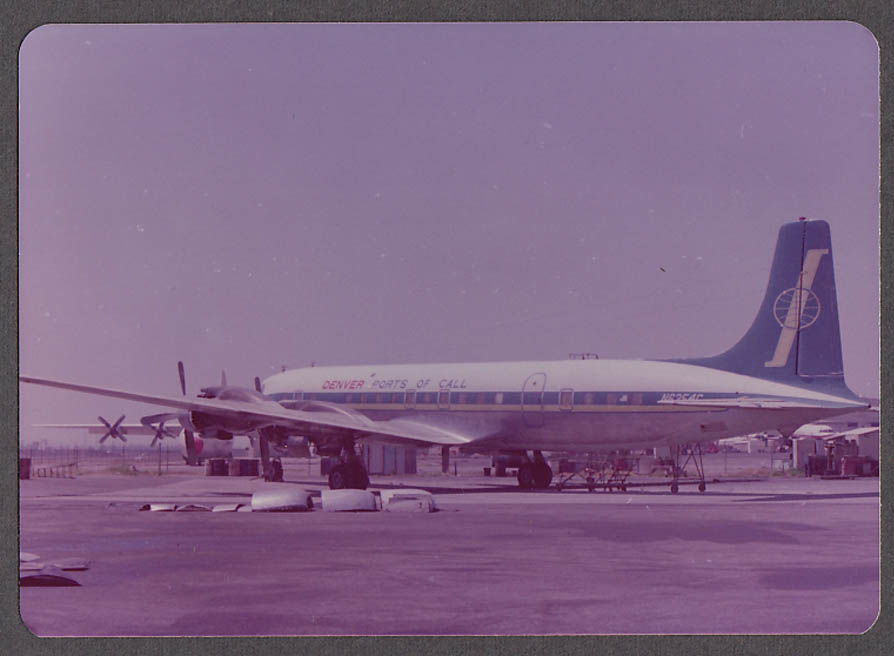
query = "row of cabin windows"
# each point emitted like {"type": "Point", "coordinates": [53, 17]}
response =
{"type": "Point", "coordinates": [565, 398]}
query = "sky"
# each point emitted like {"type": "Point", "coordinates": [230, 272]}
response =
{"type": "Point", "coordinates": [247, 197]}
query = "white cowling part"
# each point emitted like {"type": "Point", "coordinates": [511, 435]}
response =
{"type": "Point", "coordinates": [281, 499]}
{"type": "Point", "coordinates": [348, 500]}
{"type": "Point", "coordinates": [408, 500]}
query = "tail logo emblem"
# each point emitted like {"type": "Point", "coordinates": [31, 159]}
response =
{"type": "Point", "coordinates": [796, 308]}
{"type": "Point", "coordinates": [787, 316]}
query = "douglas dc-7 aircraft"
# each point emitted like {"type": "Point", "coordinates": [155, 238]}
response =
{"type": "Point", "coordinates": [784, 372]}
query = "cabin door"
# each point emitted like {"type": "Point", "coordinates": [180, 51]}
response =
{"type": "Point", "coordinates": [532, 400]}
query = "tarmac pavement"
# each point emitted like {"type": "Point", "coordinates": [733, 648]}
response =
{"type": "Point", "coordinates": [778, 555]}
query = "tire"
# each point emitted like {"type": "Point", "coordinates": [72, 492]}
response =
{"type": "Point", "coordinates": [359, 477]}
{"type": "Point", "coordinates": [526, 478]}
{"type": "Point", "coordinates": [339, 478]}
{"type": "Point", "coordinates": [701, 487]}
{"type": "Point", "coordinates": [543, 476]}
{"type": "Point", "coordinates": [674, 488]}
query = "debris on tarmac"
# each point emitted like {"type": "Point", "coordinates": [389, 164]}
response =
{"type": "Point", "coordinates": [46, 577]}
{"type": "Point", "coordinates": [348, 501]}
{"type": "Point", "coordinates": [228, 507]}
{"type": "Point", "coordinates": [159, 507]}
{"type": "Point", "coordinates": [290, 499]}
{"type": "Point", "coordinates": [408, 500]}
{"type": "Point", "coordinates": [66, 564]}
{"type": "Point", "coordinates": [72, 564]}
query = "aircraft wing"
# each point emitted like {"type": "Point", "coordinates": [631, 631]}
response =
{"type": "Point", "coordinates": [421, 433]}
{"type": "Point", "coordinates": [271, 413]}
{"type": "Point", "coordinates": [759, 402]}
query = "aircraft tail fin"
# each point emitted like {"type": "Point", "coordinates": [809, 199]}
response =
{"type": "Point", "coordinates": [795, 336]}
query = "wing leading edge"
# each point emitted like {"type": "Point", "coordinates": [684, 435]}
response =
{"type": "Point", "coordinates": [270, 414]}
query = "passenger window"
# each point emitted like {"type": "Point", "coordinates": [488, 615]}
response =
{"type": "Point", "coordinates": [611, 398]}
{"type": "Point", "coordinates": [444, 399]}
{"type": "Point", "coordinates": [410, 399]}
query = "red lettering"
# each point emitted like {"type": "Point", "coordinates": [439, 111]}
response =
{"type": "Point", "coordinates": [342, 384]}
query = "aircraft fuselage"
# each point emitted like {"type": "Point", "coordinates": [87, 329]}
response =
{"type": "Point", "coordinates": [574, 405]}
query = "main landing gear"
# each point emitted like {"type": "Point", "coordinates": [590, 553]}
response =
{"type": "Point", "coordinates": [695, 457]}
{"type": "Point", "coordinates": [349, 473]}
{"type": "Point", "coordinates": [535, 474]}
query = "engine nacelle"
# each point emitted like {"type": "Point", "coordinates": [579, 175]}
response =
{"type": "Point", "coordinates": [210, 426]}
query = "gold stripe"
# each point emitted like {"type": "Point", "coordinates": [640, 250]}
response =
{"type": "Point", "coordinates": [516, 408]}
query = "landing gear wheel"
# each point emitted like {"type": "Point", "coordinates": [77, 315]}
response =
{"type": "Point", "coordinates": [359, 477]}
{"type": "Point", "coordinates": [526, 476]}
{"type": "Point", "coordinates": [674, 488]}
{"type": "Point", "coordinates": [339, 478]}
{"type": "Point", "coordinates": [701, 487]}
{"type": "Point", "coordinates": [543, 475]}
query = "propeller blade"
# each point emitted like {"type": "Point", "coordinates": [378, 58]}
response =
{"type": "Point", "coordinates": [160, 431]}
{"type": "Point", "coordinates": [182, 377]}
{"type": "Point", "coordinates": [112, 431]}
{"type": "Point", "coordinates": [258, 385]}
{"type": "Point", "coordinates": [223, 378]}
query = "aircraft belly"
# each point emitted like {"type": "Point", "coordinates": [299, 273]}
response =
{"type": "Point", "coordinates": [586, 431]}
{"type": "Point", "coordinates": [601, 430]}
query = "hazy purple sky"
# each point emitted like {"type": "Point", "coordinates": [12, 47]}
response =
{"type": "Point", "coordinates": [248, 196]}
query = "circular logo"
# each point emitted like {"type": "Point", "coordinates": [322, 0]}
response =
{"type": "Point", "coordinates": [785, 309]}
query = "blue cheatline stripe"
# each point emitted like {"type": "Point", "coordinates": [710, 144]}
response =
{"type": "Point", "coordinates": [489, 400]}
